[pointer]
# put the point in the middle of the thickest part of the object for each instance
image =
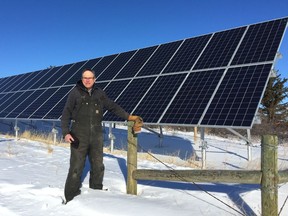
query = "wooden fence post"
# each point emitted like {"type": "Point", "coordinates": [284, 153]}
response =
{"type": "Point", "coordinates": [269, 182]}
{"type": "Point", "coordinates": [131, 160]}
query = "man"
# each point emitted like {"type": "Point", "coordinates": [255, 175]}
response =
{"type": "Point", "coordinates": [84, 110]}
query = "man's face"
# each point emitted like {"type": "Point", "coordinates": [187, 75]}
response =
{"type": "Point", "coordinates": [88, 79]}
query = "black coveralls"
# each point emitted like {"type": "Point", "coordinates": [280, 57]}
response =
{"type": "Point", "coordinates": [85, 110]}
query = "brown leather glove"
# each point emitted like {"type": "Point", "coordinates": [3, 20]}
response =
{"type": "Point", "coordinates": [138, 123]}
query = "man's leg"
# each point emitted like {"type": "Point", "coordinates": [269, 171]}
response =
{"type": "Point", "coordinates": [96, 162]}
{"type": "Point", "coordinates": [77, 163]}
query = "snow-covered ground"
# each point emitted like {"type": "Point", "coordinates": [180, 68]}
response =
{"type": "Point", "coordinates": [32, 180]}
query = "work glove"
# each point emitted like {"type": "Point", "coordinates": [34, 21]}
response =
{"type": "Point", "coordinates": [138, 123]}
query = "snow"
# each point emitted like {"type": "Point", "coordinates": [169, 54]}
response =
{"type": "Point", "coordinates": [32, 179]}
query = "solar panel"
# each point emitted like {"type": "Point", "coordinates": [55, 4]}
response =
{"type": "Point", "coordinates": [50, 103]}
{"type": "Point", "coordinates": [134, 65]}
{"type": "Point", "coordinates": [43, 76]}
{"type": "Point", "coordinates": [187, 55]}
{"type": "Point", "coordinates": [220, 49]}
{"type": "Point", "coordinates": [103, 64]}
{"type": "Point", "coordinates": [53, 76]}
{"type": "Point", "coordinates": [26, 78]}
{"type": "Point", "coordinates": [10, 81]}
{"type": "Point", "coordinates": [32, 95]}
{"type": "Point", "coordinates": [159, 59]}
{"type": "Point", "coordinates": [127, 100]}
{"type": "Point", "coordinates": [261, 42]}
{"type": "Point", "coordinates": [115, 88]}
{"type": "Point", "coordinates": [31, 108]}
{"type": "Point", "coordinates": [6, 99]}
{"type": "Point", "coordinates": [237, 98]}
{"type": "Point", "coordinates": [193, 97]}
{"type": "Point", "coordinates": [12, 103]}
{"type": "Point", "coordinates": [158, 97]}
{"type": "Point", "coordinates": [77, 76]}
{"type": "Point", "coordinates": [26, 85]}
{"type": "Point", "coordinates": [213, 80]}
{"type": "Point", "coordinates": [115, 66]}
{"type": "Point", "coordinates": [67, 72]}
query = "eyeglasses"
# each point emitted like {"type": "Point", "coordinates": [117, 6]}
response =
{"type": "Point", "coordinates": [88, 78]}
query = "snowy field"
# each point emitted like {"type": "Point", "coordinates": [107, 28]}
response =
{"type": "Point", "coordinates": [32, 180]}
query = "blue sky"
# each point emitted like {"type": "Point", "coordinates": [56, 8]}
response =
{"type": "Point", "coordinates": [36, 34]}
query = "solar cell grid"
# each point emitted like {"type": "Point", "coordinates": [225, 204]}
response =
{"type": "Point", "coordinates": [136, 63]}
{"type": "Point", "coordinates": [114, 88]}
{"type": "Point", "coordinates": [103, 63]}
{"type": "Point", "coordinates": [36, 103]}
{"type": "Point", "coordinates": [25, 103]}
{"type": "Point", "coordinates": [5, 100]}
{"type": "Point", "coordinates": [9, 83]}
{"type": "Point", "coordinates": [159, 59]}
{"type": "Point", "coordinates": [50, 103]}
{"type": "Point", "coordinates": [186, 56]}
{"type": "Point", "coordinates": [31, 80]}
{"type": "Point", "coordinates": [11, 103]}
{"type": "Point", "coordinates": [53, 75]}
{"type": "Point", "coordinates": [56, 111]}
{"type": "Point", "coordinates": [261, 42]}
{"type": "Point", "coordinates": [193, 97]}
{"type": "Point", "coordinates": [116, 66]}
{"type": "Point", "coordinates": [228, 107]}
{"type": "Point", "coordinates": [43, 76]}
{"type": "Point", "coordinates": [220, 49]}
{"type": "Point", "coordinates": [2, 95]}
{"type": "Point", "coordinates": [77, 76]}
{"type": "Point", "coordinates": [68, 71]}
{"type": "Point", "coordinates": [158, 97]}
{"type": "Point", "coordinates": [131, 96]}
{"type": "Point", "coordinates": [101, 85]}
{"type": "Point", "coordinates": [16, 82]}
{"type": "Point", "coordinates": [22, 81]}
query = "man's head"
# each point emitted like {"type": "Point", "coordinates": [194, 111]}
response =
{"type": "Point", "coordinates": [88, 78]}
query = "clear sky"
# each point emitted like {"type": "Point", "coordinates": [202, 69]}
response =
{"type": "Point", "coordinates": [36, 34]}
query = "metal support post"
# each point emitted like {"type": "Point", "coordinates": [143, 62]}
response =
{"type": "Point", "coordinates": [16, 128]}
{"type": "Point", "coordinates": [55, 132]}
{"type": "Point", "coordinates": [112, 138]}
{"type": "Point", "coordinates": [161, 137]}
{"type": "Point", "coordinates": [249, 149]}
{"type": "Point", "coordinates": [203, 147]}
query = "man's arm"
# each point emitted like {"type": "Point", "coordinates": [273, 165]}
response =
{"type": "Point", "coordinates": [67, 114]}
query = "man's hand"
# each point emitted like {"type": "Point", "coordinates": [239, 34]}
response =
{"type": "Point", "coordinates": [138, 123]}
{"type": "Point", "coordinates": [68, 138]}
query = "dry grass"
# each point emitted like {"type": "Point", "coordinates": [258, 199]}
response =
{"type": "Point", "coordinates": [169, 159]}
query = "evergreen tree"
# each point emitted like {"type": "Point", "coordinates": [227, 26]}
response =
{"type": "Point", "coordinates": [273, 103]}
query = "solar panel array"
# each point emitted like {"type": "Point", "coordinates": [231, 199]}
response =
{"type": "Point", "coordinates": [214, 80]}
